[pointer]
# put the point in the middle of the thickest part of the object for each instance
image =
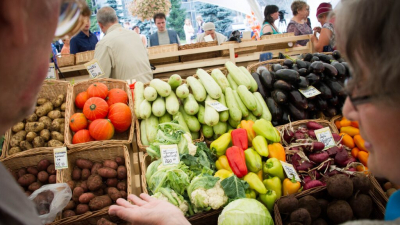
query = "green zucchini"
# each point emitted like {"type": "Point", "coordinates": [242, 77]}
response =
{"type": "Point", "coordinates": [143, 135]}
{"type": "Point", "coordinates": [266, 114]}
{"type": "Point", "coordinates": [211, 86]}
{"type": "Point", "coordinates": [238, 75]}
{"type": "Point", "coordinates": [165, 119]}
{"type": "Point", "coordinates": [151, 128]}
{"type": "Point", "coordinates": [220, 78]}
{"type": "Point", "coordinates": [172, 104]}
{"type": "Point", "coordinates": [234, 110]}
{"type": "Point", "coordinates": [220, 128]}
{"type": "Point", "coordinates": [259, 110]}
{"type": "Point", "coordinates": [158, 107]}
{"type": "Point", "coordinates": [182, 91]}
{"type": "Point", "coordinates": [195, 135]}
{"type": "Point", "coordinates": [174, 81]}
{"type": "Point", "coordinates": [208, 131]}
{"type": "Point", "coordinates": [211, 116]}
{"type": "Point", "coordinates": [198, 90]}
{"type": "Point", "coordinates": [145, 109]}
{"type": "Point", "coordinates": [200, 114]}
{"type": "Point", "coordinates": [253, 82]}
{"type": "Point", "coordinates": [251, 117]}
{"type": "Point", "coordinates": [231, 82]}
{"type": "Point", "coordinates": [138, 92]}
{"type": "Point", "coordinates": [181, 121]}
{"type": "Point", "coordinates": [191, 121]}
{"type": "Point", "coordinates": [190, 105]}
{"type": "Point", "coordinates": [247, 98]}
{"type": "Point", "coordinates": [233, 123]}
{"type": "Point", "coordinates": [150, 94]}
{"type": "Point", "coordinates": [162, 87]}
{"type": "Point", "coordinates": [242, 107]}
{"type": "Point", "coordinates": [224, 115]}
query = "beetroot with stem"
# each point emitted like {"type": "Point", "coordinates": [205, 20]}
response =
{"type": "Point", "coordinates": [324, 166]}
{"type": "Point", "coordinates": [313, 184]}
{"type": "Point", "coordinates": [299, 135]}
{"type": "Point", "coordinates": [311, 134]}
{"type": "Point", "coordinates": [304, 166]}
{"type": "Point", "coordinates": [319, 157]}
{"type": "Point", "coordinates": [332, 151]}
{"type": "Point", "coordinates": [342, 158]}
{"type": "Point", "coordinates": [288, 135]}
{"type": "Point", "coordinates": [311, 125]}
{"type": "Point", "coordinates": [302, 129]}
{"type": "Point", "coordinates": [336, 137]}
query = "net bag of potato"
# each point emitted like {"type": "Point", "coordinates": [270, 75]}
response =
{"type": "Point", "coordinates": [50, 200]}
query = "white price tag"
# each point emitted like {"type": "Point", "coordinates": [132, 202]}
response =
{"type": "Point", "coordinates": [51, 73]}
{"type": "Point", "coordinates": [94, 69]}
{"type": "Point", "coordinates": [217, 105]}
{"type": "Point", "coordinates": [60, 158]}
{"type": "Point", "coordinates": [324, 135]}
{"type": "Point", "coordinates": [169, 154]}
{"type": "Point", "coordinates": [290, 171]}
{"type": "Point", "coordinates": [309, 92]}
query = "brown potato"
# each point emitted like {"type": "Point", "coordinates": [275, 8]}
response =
{"type": "Point", "coordinates": [112, 182]}
{"type": "Point", "coordinates": [120, 161]}
{"type": "Point", "coordinates": [104, 221]}
{"type": "Point", "coordinates": [43, 176]}
{"type": "Point", "coordinates": [41, 101]}
{"type": "Point", "coordinates": [71, 184]}
{"type": "Point", "coordinates": [84, 163]}
{"type": "Point", "coordinates": [51, 169]}
{"type": "Point", "coordinates": [99, 192]}
{"type": "Point", "coordinates": [81, 209]}
{"type": "Point", "coordinates": [16, 140]}
{"type": "Point", "coordinates": [34, 186]}
{"type": "Point", "coordinates": [107, 172]}
{"type": "Point", "coordinates": [94, 182]}
{"type": "Point", "coordinates": [85, 174]}
{"type": "Point", "coordinates": [22, 172]}
{"type": "Point", "coordinates": [45, 134]}
{"type": "Point", "coordinates": [68, 213]}
{"type": "Point", "coordinates": [55, 125]}
{"type": "Point", "coordinates": [43, 164]}
{"type": "Point", "coordinates": [34, 127]}
{"type": "Point", "coordinates": [32, 118]}
{"type": "Point", "coordinates": [95, 167]}
{"type": "Point", "coordinates": [84, 185]}
{"type": "Point", "coordinates": [52, 179]}
{"type": "Point", "coordinates": [26, 180]}
{"type": "Point", "coordinates": [18, 127]}
{"type": "Point", "coordinates": [30, 136]}
{"type": "Point", "coordinates": [110, 163]}
{"type": "Point", "coordinates": [25, 145]}
{"type": "Point", "coordinates": [57, 102]}
{"type": "Point", "coordinates": [100, 202]}
{"type": "Point", "coordinates": [44, 109]}
{"type": "Point", "coordinates": [46, 121]}
{"type": "Point", "coordinates": [21, 133]}
{"type": "Point", "coordinates": [70, 205]}
{"type": "Point", "coordinates": [55, 143]}
{"type": "Point", "coordinates": [14, 150]}
{"type": "Point", "coordinates": [38, 142]}
{"type": "Point", "coordinates": [76, 174]}
{"type": "Point", "coordinates": [55, 114]}
{"type": "Point", "coordinates": [122, 173]}
{"type": "Point", "coordinates": [62, 129]}
{"type": "Point", "coordinates": [122, 185]}
{"type": "Point", "coordinates": [63, 107]}
{"type": "Point", "coordinates": [86, 197]}
{"type": "Point", "coordinates": [113, 193]}
{"type": "Point", "coordinates": [57, 136]}
{"type": "Point", "coordinates": [78, 191]}
{"type": "Point", "coordinates": [123, 194]}
{"type": "Point", "coordinates": [32, 170]}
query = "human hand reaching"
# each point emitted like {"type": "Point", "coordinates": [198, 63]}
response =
{"type": "Point", "coordinates": [147, 210]}
{"type": "Point", "coordinates": [317, 29]}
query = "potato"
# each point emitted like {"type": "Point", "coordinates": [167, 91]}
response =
{"type": "Point", "coordinates": [41, 101]}
{"type": "Point", "coordinates": [112, 182]}
{"type": "Point", "coordinates": [95, 167]}
{"type": "Point", "coordinates": [71, 184]}
{"type": "Point", "coordinates": [21, 133]}
{"type": "Point", "coordinates": [84, 185]}
{"type": "Point", "coordinates": [32, 170]}
{"type": "Point", "coordinates": [34, 186]}
{"type": "Point", "coordinates": [25, 145]}
{"type": "Point", "coordinates": [86, 197]}
{"type": "Point", "coordinates": [44, 109]}
{"type": "Point", "coordinates": [30, 136]}
{"type": "Point", "coordinates": [121, 172]}
{"type": "Point", "coordinates": [100, 202]}
{"type": "Point", "coordinates": [55, 143]}
{"type": "Point", "coordinates": [51, 169]}
{"type": "Point", "coordinates": [120, 161]}
{"type": "Point", "coordinates": [78, 191]}
{"type": "Point", "coordinates": [60, 120]}
{"type": "Point", "coordinates": [43, 176]}
{"type": "Point", "coordinates": [63, 107]}
{"type": "Point", "coordinates": [45, 134]}
{"type": "Point", "coordinates": [99, 192]}
{"type": "Point", "coordinates": [16, 140]}
{"type": "Point", "coordinates": [110, 163]}
{"type": "Point", "coordinates": [81, 209]}
{"type": "Point", "coordinates": [43, 164]}
{"type": "Point", "coordinates": [62, 114]}
{"type": "Point", "coordinates": [104, 221]}
{"type": "Point", "coordinates": [21, 172]}
{"type": "Point", "coordinates": [70, 205]}
{"type": "Point", "coordinates": [57, 136]}
{"type": "Point", "coordinates": [121, 185]}
{"type": "Point", "coordinates": [32, 118]}
{"type": "Point", "coordinates": [38, 142]}
{"type": "Point", "coordinates": [18, 127]}
{"type": "Point", "coordinates": [54, 114]}
{"type": "Point", "coordinates": [61, 97]}
{"type": "Point", "coordinates": [34, 126]}
{"type": "Point", "coordinates": [113, 193]}
{"type": "Point", "coordinates": [58, 108]}
{"type": "Point", "coordinates": [55, 125]}
{"type": "Point", "coordinates": [26, 180]}
{"type": "Point", "coordinates": [94, 182]}
{"type": "Point", "coordinates": [107, 172]}
{"type": "Point", "coordinates": [14, 150]}
{"type": "Point", "coordinates": [58, 101]}
{"type": "Point", "coordinates": [68, 213]}
{"type": "Point", "coordinates": [84, 163]}
{"type": "Point", "coordinates": [52, 179]}
{"type": "Point", "coordinates": [85, 174]}
{"type": "Point", "coordinates": [13, 173]}
{"type": "Point", "coordinates": [62, 129]}
{"type": "Point", "coordinates": [123, 194]}
{"type": "Point", "coordinates": [76, 174]}
{"type": "Point", "coordinates": [46, 121]}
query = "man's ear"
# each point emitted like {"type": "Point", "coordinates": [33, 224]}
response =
{"type": "Point", "coordinates": [14, 15]}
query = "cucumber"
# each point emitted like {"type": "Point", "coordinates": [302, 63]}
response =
{"type": "Point", "coordinates": [242, 107]}
{"type": "Point", "coordinates": [200, 114]}
{"type": "Point", "coordinates": [211, 116]}
{"type": "Point", "coordinates": [253, 82]}
{"type": "Point", "coordinates": [266, 114]}
{"type": "Point", "coordinates": [223, 116]}
{"type": "Point", "coordinates": [208, 131]}
{"type": "Point", "coordinates": [182, 91]}
{"type": "Point", "coordinates": [138, 92]}
{"type": "Point", "coordinates": [190, 105]}
{"type": "Point", "coordinates": [165, 119]}
{"type": "Point", "coordinates": [259, 110]}
{"type": "Point", "coordinates": [174, 81]}
{"type": "Point", "coordinates": [172, 104]}
{"type": "Point", "coordinates": [251, 117]}
{"type": "Point", "coordinates": [211, 86]}
{"type": "Point", "coordinates": [143, 135]}
{"type": "Point", "coordinates": [247, 98]}
{"type": "Point", "coordinates": [198, 90]}
{"type": "Point", "coordinates": [158, 107]}
{"type": "Point", "coordinates": [151, 128]}
{"type": "Point", "coordinates": [234, 110]}
{"type": "Point", "coordinates": [150, 94]}
{"type": "Point", "coordinates": [145, 109]}
{"type": "Point", "coordinates": [191, 121]}
{"type": "Point", "coordinates": [221, 79]}
{"type": "Point", "coordinates": [234, 123]}
{"type": "Point", "coordinates": [162, 87]}
{"type": "Point", "coordinates": [181, 121]}
{"type": "Point", "coordinates": [220, 129]}
{"type": "Point", "coordinates": [232, 83]}
{"type": "Point", "coordinates": [195, 135]}
{"type": "Point", "coordinates": [238, 75]}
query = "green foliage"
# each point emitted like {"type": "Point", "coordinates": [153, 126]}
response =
{"type": "Point", "coordinates": [113, 4]}
{"type": "Point", "coordinates": [220, 16]}
{"type": "Point", "coordinates": [94, 27]}
{"type": "Point", "coordinates": [234, 187]}
{"type": "Point", "coordinates": [176, 18]}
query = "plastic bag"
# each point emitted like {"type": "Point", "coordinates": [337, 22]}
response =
{"type": "Point", "coordinates": [51, 199]}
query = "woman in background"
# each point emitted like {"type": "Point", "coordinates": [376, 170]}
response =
{"type": "Point", "coordinates": [326, 40]}
{"type": "Point", "coordinates": [142, 37]}
{"type": "Point", "coordinates": [200, 23]}
{"type": "Point", "coordinates": [65, 48]}
{"type": "Point", "coordinates": [189, 31]}
{"type": "Point", "coordinates": [298, 24]}
{"type": "Point", "coordinates": [271, 13]}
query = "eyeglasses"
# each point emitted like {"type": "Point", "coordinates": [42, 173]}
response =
{"type": "Point", "coordinates": [355, 101]}
{"type": "Point", "coordinates": [71, 16]}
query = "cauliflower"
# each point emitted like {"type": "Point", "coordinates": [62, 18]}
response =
{"type": "Point", "coordinates": [191, 146]}
{"type": "Point", "coordinates": [214, 197]}
{"type": "Point", "coordinates": [169, 195]}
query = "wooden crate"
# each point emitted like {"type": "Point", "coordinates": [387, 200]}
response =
{"type": "Point", "coordinates": [163, 49]}
{"type": "Point", "coordinates": [243, 50]}
{"type": "Point", "coordinates": [269, 47]}
{"type": "Point", "coordinates": [198, 56]}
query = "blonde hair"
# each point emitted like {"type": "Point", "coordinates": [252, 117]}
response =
{"type": "Point", "coordinates": [297, 5]}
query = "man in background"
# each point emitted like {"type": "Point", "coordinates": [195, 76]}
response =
{"type": "Point", "coordinates": [163, 36]}
{"type": "Point", "coordinates": [121, 53]}
{"type": "Point", "coordinates": [209, 29]}
{"type": "Point", "coordinates": [84, 40]}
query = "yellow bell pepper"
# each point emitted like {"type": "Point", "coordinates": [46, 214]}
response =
{"type": "Point", "coordinates": [250, 193]}
{"type": "Point", "coordinates": [220, 145]}
{"type": "Point", "coordinates": [290, 186]}
{"type": "Point", "coordinates": [248, 126]}
{"type": "Point", "coordinates": [260, 175]}
{"type": "Point", "coordinates": [255, 183]}
{"type": "Point", "coordinates": [222, 163]}
{"type": "Point", "coordinates": [222, 174]}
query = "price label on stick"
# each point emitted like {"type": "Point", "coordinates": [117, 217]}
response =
{"type": "Point", "coordinates": [169, 154]}
{"type": "Point", "coordinates": [94, 69]}
{"type": "Point", "coordinates": [324, 135]}
{"type": "Point", "coordinates": [51, 73]}
{"type": "Point", "coordinates": [217, 105]}
{"type": "Point", "coordinates": [309, 92]}
{"type": "Point", "coordinates": [60, 158]}
{"type": "Point", "coordinates": [290, 171]}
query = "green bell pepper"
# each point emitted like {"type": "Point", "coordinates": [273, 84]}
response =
{"type": "Point", "coordinates": [255, 183]}
{"type": "Point", "coordinates": [253, 160]}
{"type": "Point", "coordinates": [273, 168]}
{"type": "Point", "coordinates": [266, 129]}
{"type": "Point", "coordinates": [220, 145]}
{"type": "Point", "coordinates": [250, 193]}
{"type": "Point", "coordinates": [275, 184]}
{"type": "Point", "coordinates": [260, 145]}
{"type": "Point", "coordinates": [269, 200]}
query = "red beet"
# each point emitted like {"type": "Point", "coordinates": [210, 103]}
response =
{"type": "Point", "coordinates": [304, 166]}
{"type": "Point", "coordinates": [311, 134]}
{"type": "Point", "coordinates": [311, 125]}
{"type": "Point", "coordinates": [332, 151]}
{"type": "Point", "coordinates": [313, 184]}
{"type": "Point", "coordinates": [299, 135]}
{"type": "Point", "coordinates": [325, 165]}
{"type": "Point", "coordinates": [319, 157]}
{"type": "Point", "coordinates": [336, 137]}
{"type": "Point", "coordinates": [341, 158]}
{"type": "Point", "coordinates": [288, 136]}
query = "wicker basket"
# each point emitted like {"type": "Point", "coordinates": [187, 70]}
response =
{"type": "Point", "coordinates": [253, 67]}
{"type": "Point", "coordinates": [66, 60]}
{"type": "Point", "coordinates": [5, 143]}
{"type": "Point", "coordinates": [50, 90]}
{"type": "Point", "coordinates": [284, 45]}
{"type": "Point", "coordinates": [84, 57]}
{"type": "Point", "coordinates": [198, 56]}
{"type": "Point", "coordinates": [163, 49]}
{"type": "Point", "coordinates": [89, 218]}
{"type": "Point", "coordinates": [119, 138]}
{"type": "Point", "coordinates": [243, 50]}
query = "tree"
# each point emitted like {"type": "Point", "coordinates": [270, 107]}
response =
{"type": "Point", "coordinates": [176, 18]}
{"type": "Point", "coordinates": [220, 16]}
{"type": "Point", "coordinates": [144, 26]}
{"type": "Point", "coordinates": [118, 9]}
{"type": "Point", "coordinates": [94, 27]}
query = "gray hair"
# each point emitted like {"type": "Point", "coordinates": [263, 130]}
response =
{"type": "Point", "coordinates": [106, 15]}
{"type": "Point", "coordinates": [368, 34]}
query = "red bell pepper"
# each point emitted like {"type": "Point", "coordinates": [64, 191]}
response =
{"type": "Point", "coordinates": [239, 138]}
{"type": "Point", "coordinates": [237, 161]}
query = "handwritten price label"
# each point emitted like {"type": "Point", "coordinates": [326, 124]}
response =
{"type": "Point", "coordinates": [290, 171]}
{"type": "Point", "coordinates": [60, 158]}
{"type": "Point", "coordinates": [309, 92]}
{"type": "Point", "coordinates": [324, 135]}
{"type": "Point", "coordinates": [217, 105]}
{"type": "Point", "coordinates": [169, 154]}
{"type": "Point", "coordinates": [94, 69]}
{"type": "Point", "coordinates": [51, 73]}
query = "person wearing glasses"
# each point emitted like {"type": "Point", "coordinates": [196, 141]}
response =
{"type": "Point", "coordinates": [298, 24]}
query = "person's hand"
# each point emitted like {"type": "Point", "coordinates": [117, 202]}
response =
{"type": "Point", "coordinates": [317, 29]}
{"type": "Point", "coordinates": [147, 210]}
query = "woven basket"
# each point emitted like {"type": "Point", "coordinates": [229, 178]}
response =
{"type": "Point", "coordinates": [284, 45]}
{"type": "Point", "coordinates": [119, 138]}
{"type": "Point", "coordinates": [89, 218]}
{"type": "Point", "coordinates": [242, 50]}
{"type": "Point", "coordinates": [66, 60]}
{"type": "Point", "coordinates": [253, 67]}
{"type": "Point", "coordinates": [5, 143]}
{"type": "Point", "coordinates": [198, 56]}
{"type": "Point", "coordinates": [163, 49]}
{"type": "Point", "coordinates": [50, 90]}
{"type": "Point", "coordinates": [84, 57]}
